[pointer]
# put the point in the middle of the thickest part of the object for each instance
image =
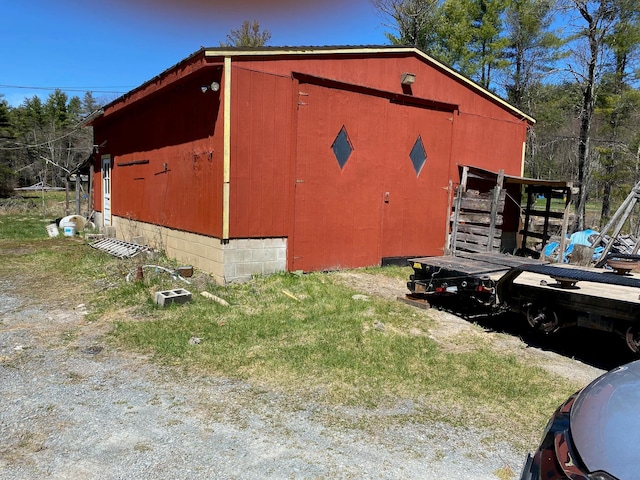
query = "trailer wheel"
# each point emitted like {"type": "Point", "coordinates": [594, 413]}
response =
{"type": "Point", "coordinates": [542, 319]}
{"type": "Point", "coordinates": [633, 339]}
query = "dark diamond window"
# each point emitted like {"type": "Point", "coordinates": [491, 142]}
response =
{"type": "Point", "coordinates": [418, 155]}
{"type": "Point", "coordinates": [342, 147]}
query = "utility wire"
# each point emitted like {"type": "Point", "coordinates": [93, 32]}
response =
{"type": "Point", "coordinates": [73, 89]}
{"type": "Point", "coordinates": [23, 146]}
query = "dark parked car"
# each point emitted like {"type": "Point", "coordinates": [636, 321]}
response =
{"type": "Point", "coordinates": [595, 434]}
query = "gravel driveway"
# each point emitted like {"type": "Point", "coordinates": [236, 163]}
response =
{"type": "Point", "coordinates": [73, 408]}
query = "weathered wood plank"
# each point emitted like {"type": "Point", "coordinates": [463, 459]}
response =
{"type": "Point", "coordinates": [479, 230]}
{"type": "Point", "coordinates": [497, 196]}
{"type": "Point", "coordinates": [471, 247]}
{"type": "Point", "coordinates": [456, 211]}
{"type": "Point", "coordinates": [480, 203]}
{"type": "Point", "coordinates": [466, 217]}
{"type": "Point", "coordinates": [478, 240]}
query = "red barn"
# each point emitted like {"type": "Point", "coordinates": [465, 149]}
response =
{"type": "Point", "coordinates": [251, 161]}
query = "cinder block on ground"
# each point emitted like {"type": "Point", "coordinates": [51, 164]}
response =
{"type": "Point", "coordinates": [167, 297]}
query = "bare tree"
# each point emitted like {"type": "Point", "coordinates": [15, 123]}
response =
{"type": "Point", "coordinates": [248, 35]}
{"type": "Point", "coordinates": [596, 19]}
{"type": "Point", "coordinates": [624, 45]}
{"type": "Point", "coordinates": [413, 21]}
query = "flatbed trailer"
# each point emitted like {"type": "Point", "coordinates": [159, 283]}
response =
{"type": "Point", "coordinates": [549, 296]}
{"type": "Point", "coordinates": [469, 276]}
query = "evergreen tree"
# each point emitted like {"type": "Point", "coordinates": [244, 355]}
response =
{"type": "Point", "coordinates": [532, 49]}
{"type": "Point", "coordinates": [6, 175]}
{"type": "Point", "coordinates": [456, 35]}
{"type": "Point", "coordinates": [465, 34]}
{"type": "Point", "coordinates": [89, 104]}
{"type": "Point", "coordinates": [48, 139]}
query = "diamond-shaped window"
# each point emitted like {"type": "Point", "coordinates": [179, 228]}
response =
{"type": "Point", "coordinates": [342, 147]}
{"type": "Point", "coordinates": [418, 155]}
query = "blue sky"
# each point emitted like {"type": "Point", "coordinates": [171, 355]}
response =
{"type": "Point", "coordinates": [112, 46]}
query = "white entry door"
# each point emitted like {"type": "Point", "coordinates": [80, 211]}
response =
{"type": "Point", "coordinates": [106, 190]}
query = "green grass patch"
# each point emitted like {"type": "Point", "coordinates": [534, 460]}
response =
{"type": "Point", "coordinates": [342, 351]}
{"type": "Point", "coordinates": [300, 334]}
{"type": "Point", "coordinates": [22, 227]}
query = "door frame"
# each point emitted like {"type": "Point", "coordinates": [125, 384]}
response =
{"type": "Point", "coordinates": [106, 190]}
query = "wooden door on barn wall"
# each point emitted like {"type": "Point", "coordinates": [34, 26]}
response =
{"type": "Point", "coordinates": [417, 151]}
{"type": "Point", "coordinates": [337, 203]}
{"type": "Point", "coordinates": [362, 189]}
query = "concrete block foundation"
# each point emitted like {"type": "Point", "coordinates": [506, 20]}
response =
{"type": "Point", "coordinates": [234, 261]}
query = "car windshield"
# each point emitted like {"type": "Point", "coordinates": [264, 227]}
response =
{"type": "Point", "coordinates": [605, 423]}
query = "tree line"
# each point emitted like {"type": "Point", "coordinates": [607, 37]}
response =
{"type": "Point", "coordinates": [42, 141]}
{"type": "Point", "coordinates": [573, 65]}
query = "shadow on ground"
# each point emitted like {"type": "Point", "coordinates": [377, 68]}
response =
{"type": "Point", "coordinates": [603, 350]}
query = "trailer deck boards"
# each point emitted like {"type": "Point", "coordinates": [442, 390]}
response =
{"type": "Point", "coordinates": [593, 285]}
{"type": "Point", "coordinates": [502, 259]}
{"type": "Point", "coordinates": [459, 266]}
{"type": "Point", "coordinates": [464, 264]}
{"type": "Point", "coordinates": [468, 270]}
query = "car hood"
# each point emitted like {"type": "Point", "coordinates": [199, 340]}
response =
{"type": "Point", "coordinates": [605, 423]}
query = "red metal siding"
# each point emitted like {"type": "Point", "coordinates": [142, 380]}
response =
{"type": "Point", "coordinates": [167, 160]}
{"type": "Point", "coordinates": [489, 143]}
{"type": "Point", "coordinates": [284, 178]}
{"type": "Point", "coordinates": [260, 154]}
{"type": "Point", "coordinates": [343, 217]}
{"type": "Point", "coordinates": [337, 212]}
{"type": "Point", "coordinates": [383, 72]}
{"type": "Point", "coordinates": [486, 133]}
